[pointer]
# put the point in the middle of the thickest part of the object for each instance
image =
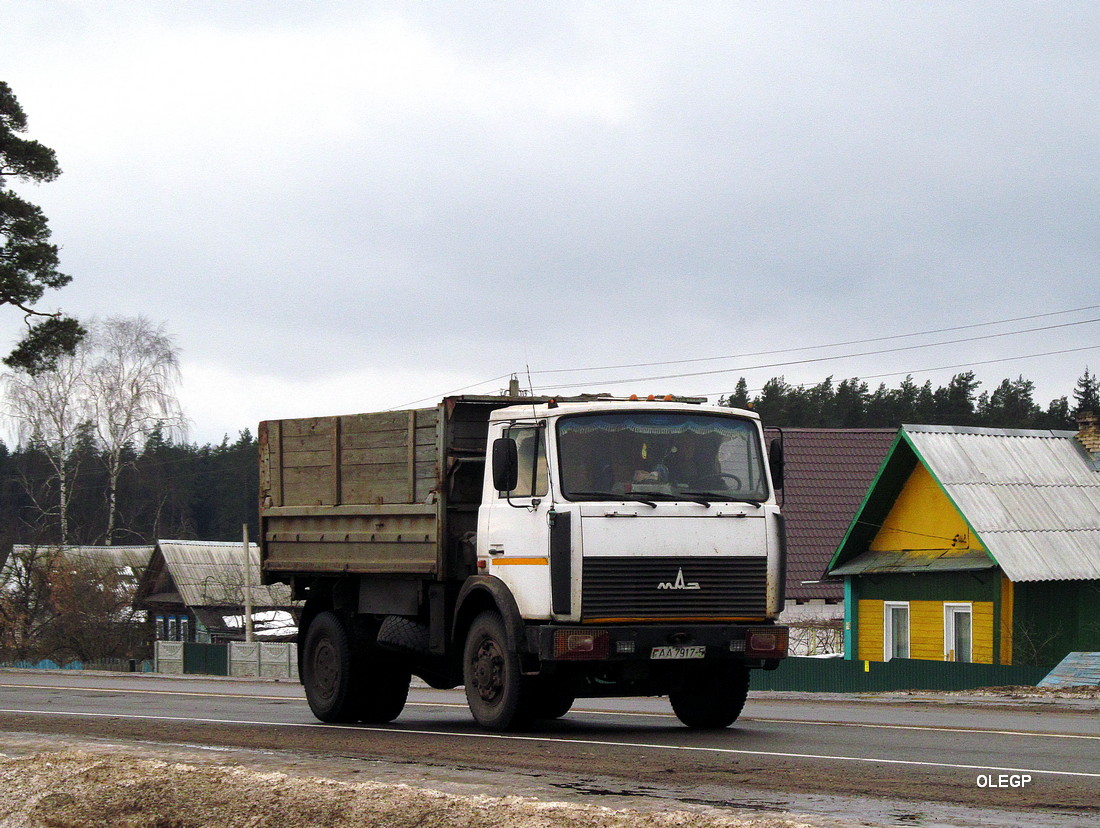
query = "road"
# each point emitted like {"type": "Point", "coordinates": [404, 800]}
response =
{"type": "Point", "coordinates": [894, 761]}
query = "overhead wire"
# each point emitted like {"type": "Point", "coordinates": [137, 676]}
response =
{"type": "Point", "coordinates": [821, 347]}
{"type": "Point", "coordinates": [812, 360]}
{"type": "Point", "coordinates": [437, 397]}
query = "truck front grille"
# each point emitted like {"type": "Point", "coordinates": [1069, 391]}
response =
{"type": "Point", "coordinates": [626, 588]}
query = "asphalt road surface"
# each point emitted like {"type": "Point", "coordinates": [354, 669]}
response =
{"type": "Point", "coordinates": [893, 760]}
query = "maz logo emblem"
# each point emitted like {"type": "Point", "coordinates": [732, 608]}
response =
{"type": "Point", "coordinates": [679, 583]}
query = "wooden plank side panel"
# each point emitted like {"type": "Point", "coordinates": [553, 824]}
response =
{"type": "Point", "coordinates": [307, 442]}
{"type": "Point", "coordinates": [338, 539]}
{"type": "Point", "coordinates": [394, 454]}
{"type": "Point", "coordinates": [871, 620]}
{"type": "Point", "coordinates": [377, 421]}
{"type": "Point", "coordinates": [377, 466]}
{"type": "Point", "coordinates": [308, 459]}
{"type": "Point", "coordinates": [271, 473]}
{"type": "Point", "coordinates": [309, 486]}
{"type": "Point", "coordinates": [326, 556]}
{"type": "Point", "coordinates": [309, 427]}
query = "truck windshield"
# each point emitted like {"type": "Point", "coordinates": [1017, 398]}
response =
{"type": "Point", "coordinates": [651, 456]}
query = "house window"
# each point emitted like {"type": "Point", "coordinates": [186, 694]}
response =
{"type": "Point", "coordinates": [172, 636]}
{"type": "Point", "coordinates": [161, 628]}
{"type": "Point", "coordinates": [896, 634]}
{"type": "Point", "coordinates": [958, 639]}
{"type": "Point", "coordinates": [183, 628]}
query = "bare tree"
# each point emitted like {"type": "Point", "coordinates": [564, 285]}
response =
{"type": "Point", "coordinates": [120, 383]}
{"type": "Point", "coordinates": [49, 409]}
{"type": "Point", "coordinates": [26, 601]}
{"type": "Point", "coordinates": [131, 384]}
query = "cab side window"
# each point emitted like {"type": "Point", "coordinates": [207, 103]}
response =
{"type": "Point", "coordinates": [531, 451]}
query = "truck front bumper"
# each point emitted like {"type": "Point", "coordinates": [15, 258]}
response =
{"type": "Point", "coordinates": [762, 643]}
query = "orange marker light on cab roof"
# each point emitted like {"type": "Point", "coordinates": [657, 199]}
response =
{"type": "Point", "coordinates": [651, 398]}
{"type": "Point", "coordinates": [634, 397]}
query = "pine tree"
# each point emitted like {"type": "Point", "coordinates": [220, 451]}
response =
{"type": "Point", "coordinates": [1086, 394]}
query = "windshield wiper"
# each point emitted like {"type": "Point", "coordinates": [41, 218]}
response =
{"type": "Point", "coordinates": [614, 496]}
{"type": "Point", "coordinates": [715, 496]}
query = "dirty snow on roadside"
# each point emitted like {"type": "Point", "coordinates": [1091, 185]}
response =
{"type": "Point", "coordinates": [81, 789]}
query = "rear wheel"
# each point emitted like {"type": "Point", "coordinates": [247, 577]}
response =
{"type": "Point", "coordinates": [327, 671]}
{"type": "Point", "coordinates": [385, 688]}
{"type": "Point", "coordinates": [347, 678]}
{"type": "Point", "coordinates": [712, 698]}
{"type": "Point", "coordinates": [491, 671]}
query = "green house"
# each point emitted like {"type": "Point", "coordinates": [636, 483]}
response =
{"type": "Point", "coordinates": [976, 544]}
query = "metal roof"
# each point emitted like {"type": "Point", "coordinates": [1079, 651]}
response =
{"type": "Point", "coordinates": [134, 557]}
{"type": "Point", "coordinates": [908, 560]}
{"type": "Point", "coordinates": [1032, 497]}
{"type": "Point", "coordinates": [211, 574]}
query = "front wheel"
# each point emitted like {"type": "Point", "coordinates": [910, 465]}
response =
{"type": "Point", "coordinates": [712, 698]}
{"type": "Point", "coordinates": [491, 671]}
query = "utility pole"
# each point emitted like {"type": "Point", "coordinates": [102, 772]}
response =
{"type": "Point", "coordinates": [247, 588]}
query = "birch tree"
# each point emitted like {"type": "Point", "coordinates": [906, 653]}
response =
{"type": "Point", "coordinates": [131, 389]}
{"type": "Point", "coordinates": [50, 407]}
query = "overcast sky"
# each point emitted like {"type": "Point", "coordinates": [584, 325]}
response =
{"type": "Point", "coordinates": [348, 206]}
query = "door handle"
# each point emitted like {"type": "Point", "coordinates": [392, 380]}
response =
{"type": "Point", "coordinates": [496, 548]}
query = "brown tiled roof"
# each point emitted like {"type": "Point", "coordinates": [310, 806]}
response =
{"type": "Point", "coordinates": [828, 473]}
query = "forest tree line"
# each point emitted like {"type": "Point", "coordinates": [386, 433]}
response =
{"type": "Point", "coordinates": [850, 403]}
{"type": "Point", "coordinates": [166, 489]}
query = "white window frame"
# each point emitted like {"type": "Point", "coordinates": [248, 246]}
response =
{"type": "Point", "coordinates": [888, 630]}
{"type": "Point", "coordinates": [950, 610]}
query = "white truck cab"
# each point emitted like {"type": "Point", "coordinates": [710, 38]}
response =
{"type": "Point", "coordinates": [623, 511]}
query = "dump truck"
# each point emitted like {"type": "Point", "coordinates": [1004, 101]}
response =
{"type": "Point", "coordinates": [533, 550]}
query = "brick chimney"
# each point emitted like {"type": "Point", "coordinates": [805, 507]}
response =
{"type": "Point", "coordinates": [1088, 432]}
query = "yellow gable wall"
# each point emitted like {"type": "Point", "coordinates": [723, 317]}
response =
{"type": "Point", "coordinates": [923, 519]}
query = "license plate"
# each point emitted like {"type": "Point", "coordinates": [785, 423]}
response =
{"type": "Point", "coordinates": [678, 652]}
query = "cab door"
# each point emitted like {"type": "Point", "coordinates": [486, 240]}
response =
{"type": "Point", "coordinates": [515, 524]}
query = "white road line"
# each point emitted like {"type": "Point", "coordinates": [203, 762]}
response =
{"type": "Point", "coordinates": [555, 740]}
{"type": "Point", "coordinates": [590, 712]}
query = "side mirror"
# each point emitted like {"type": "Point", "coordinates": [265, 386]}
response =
{"type": "Point", "coordinates": [505, 464]}
{"type": "Point", "coordinates": [775, 463]}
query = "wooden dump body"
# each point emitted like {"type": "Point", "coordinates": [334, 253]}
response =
{"type": "Point", "coordinates": [393, 493]}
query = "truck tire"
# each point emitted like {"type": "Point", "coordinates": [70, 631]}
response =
{"type": "Point", "coordinates": [546, 700]}
{"type": "Point", "coordinates": [494, 682]}
{"type": "Point", "coordinates": [327, 670]}
{"type": "Point", "coordinates": [712, 698]}
{"type": "Point", "coordinates": [385, 688]}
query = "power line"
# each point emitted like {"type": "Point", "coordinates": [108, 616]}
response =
{"type": "Point", "coordinates": [437, 397]}
{"type": "Point", "coordinates": [811, 360]}
{"type": "Point", "coordinates": [820, 347]}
